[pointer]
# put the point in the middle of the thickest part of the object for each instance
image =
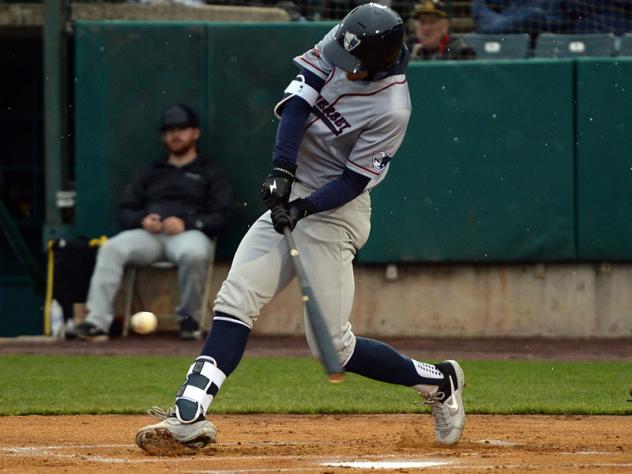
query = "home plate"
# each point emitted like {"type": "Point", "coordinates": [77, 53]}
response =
{"type": "Point", "coordinates": [385, 464]}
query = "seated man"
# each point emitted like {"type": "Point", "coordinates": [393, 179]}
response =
{"type": "Point", "coordinates": [433, 38]}
{"type": "Point", "coordinates": [170, 210]}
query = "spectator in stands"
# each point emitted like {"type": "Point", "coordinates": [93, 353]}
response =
{"type": "Point", "coordinates": [169, 211]}
{"type": "Point", "coordinates": [432, 34]}
{"type": "Point", "coordinates": [554, 16]}
{"type": "Point", "coordinates": [515, 16]}
{"type": "Point", "coordinates": [596, 16]}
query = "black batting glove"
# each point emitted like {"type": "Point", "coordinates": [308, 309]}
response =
{"type": "Point", "coordinates": [283, 217]}
{"type": "Point", "coordinates": [276, 188]}
{"type": "Point", "coordinates": [280, 218]}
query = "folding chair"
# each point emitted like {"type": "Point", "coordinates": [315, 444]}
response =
{"type": "Point", "coordinates": [131, 290]}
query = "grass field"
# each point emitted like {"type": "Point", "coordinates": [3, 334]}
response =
{"type": "Point", "coordinates": [115, 384]}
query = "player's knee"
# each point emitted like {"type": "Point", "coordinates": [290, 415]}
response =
{"type": "Point", "coordinates": [203, 381]}
{"type": "Point", "coordinates": [239, 301]}
{"type": "Point", "coordinates": [344, 347]}
{"type": "Point", "coordinates": [345, 352]}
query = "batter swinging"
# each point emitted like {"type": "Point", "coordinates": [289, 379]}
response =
{"type": "Point", "coordinates": [342, 120]}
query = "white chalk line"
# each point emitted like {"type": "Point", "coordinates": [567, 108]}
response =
{"type": "Point", "coordinates": [68, 446]}
{"type": "Point", "coordinates": [49, 451]}
{"type": "Point", "coordinates": [496, 442]}
{"type": "Point", "coordinates": [35, 452]}
{"type": "Point", "coordinates": [426, 463]}
{"type": "Point", "coordinates": [272, 469]}
{"type": "Point", "coordinates": [509, 444]}
{"type": "Point", "coordinates": [412, 465]}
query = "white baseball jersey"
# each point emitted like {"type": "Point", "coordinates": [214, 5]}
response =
{"type": "Point", "coordinates": [354, 124]}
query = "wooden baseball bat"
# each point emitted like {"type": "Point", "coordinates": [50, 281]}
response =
{"type": "Point", "coordinates": [335, 372]}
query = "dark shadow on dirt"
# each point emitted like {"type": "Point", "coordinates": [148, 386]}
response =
{"type": "Point", "coordinates": [167, 344]}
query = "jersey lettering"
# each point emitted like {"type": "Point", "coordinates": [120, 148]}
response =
{"type": "Point", "coordinates": [332, 119]}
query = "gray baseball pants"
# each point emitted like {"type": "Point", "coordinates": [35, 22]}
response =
{"type": "Point", "coordinates": [189, 250]}
{"type": "Point", "coordinates": [327, 243]}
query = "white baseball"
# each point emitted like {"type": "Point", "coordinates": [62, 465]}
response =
{"type": "Point", "coordinates": [144, 322]}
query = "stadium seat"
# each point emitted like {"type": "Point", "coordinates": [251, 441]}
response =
{"type": "Point", "coordinates": [626, 45]}
{"type": "Point", "coordinates": [510, 46]}
{"type": "Point", "coordinates": [550, 45]}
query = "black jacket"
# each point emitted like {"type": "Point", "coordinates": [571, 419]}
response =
{"type": "Point", "coordinates": [198, 193]}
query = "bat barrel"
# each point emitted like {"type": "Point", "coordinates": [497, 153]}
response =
{"type": "Point", "coordinates": [316, 319]}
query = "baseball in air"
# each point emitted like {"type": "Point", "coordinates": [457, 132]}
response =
{"type": "Point", "coordinates": [144, 322]}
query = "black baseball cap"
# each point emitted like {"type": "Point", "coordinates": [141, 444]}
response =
{"type": "Point", "coordinates": [178, 115]}
{"type": "Point", "coordinates": [434, 8]}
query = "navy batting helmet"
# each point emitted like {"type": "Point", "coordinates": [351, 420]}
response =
{"type": "Point", "coordinates": [370, 38]}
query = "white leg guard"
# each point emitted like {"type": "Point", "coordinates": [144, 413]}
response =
{"type": "Point", "coordinates": [200, 387]}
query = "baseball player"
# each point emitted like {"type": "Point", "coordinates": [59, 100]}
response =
{"type": "Point", "coordinates": [341, 121]}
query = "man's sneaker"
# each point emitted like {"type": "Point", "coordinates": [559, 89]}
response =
{"type": "Point", "coordinates": [447, 404]}
{"type": "Point", "coordinates": [70, 330]}
{"type": "Point", "coordinates": [189, 329]}
{"type": "Point", "coordinates": [90, 332]}
{"type": "Point", "coordinates": [170, 437]}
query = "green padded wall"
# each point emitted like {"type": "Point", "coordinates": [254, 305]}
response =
{"type": "Point", "coordinates": [485, 173]}
{"type": "Point", "coordinates": [486, 170]}
{"type": "Point", "coordinates": [604, 159]}
{"type": "Point", "coordinates": [233, 74]}
{"type": "Point", "coordinates": [127, 73]}
{"type": "Point", "coordinates": [21, 307]}
{"type": "Point", "coordinates": [249, 66]}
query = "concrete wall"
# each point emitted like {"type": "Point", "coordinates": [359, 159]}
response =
{"type": "Point", "coordinates": [31, 15]}
{"type": "Point", "coordinates": [555, 300]}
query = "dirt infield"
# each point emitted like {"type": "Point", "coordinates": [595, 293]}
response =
{"type": "Point", "coordinates": [330, 443]}
{"type": "Point", "coordinates": [325, 444]}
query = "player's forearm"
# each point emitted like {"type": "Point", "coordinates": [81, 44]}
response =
{"type": "Point", "coordinates": [340, 191]}
{"type": "Point", "coordinates": [290, 131]}
{"type": "Point", "coordinates": [294, 111]}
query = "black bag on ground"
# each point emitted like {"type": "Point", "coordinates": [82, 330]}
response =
{"type": "Point", "coordinates": [73, 262]}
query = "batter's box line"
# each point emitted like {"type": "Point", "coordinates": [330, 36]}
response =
{"type": "Point", "coordinates": [36, 453]}
{"type": "Point", "coordinates": [43, 451]}
{"type": "Point", "coordinates": [68, 446]}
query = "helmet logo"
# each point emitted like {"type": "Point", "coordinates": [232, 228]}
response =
{"type": "Point", "coordinates": [351, 41]}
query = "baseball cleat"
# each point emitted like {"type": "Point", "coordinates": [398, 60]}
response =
{"type": "Point", "coordinates": [447, 405]}
{"type": "Point", "coordinates": [171, 437]}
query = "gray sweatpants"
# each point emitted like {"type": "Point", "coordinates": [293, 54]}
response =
{"type": "Point", "coordinates": [189, 250]}
{"type": "Point", "coordinates": [327, 243]}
